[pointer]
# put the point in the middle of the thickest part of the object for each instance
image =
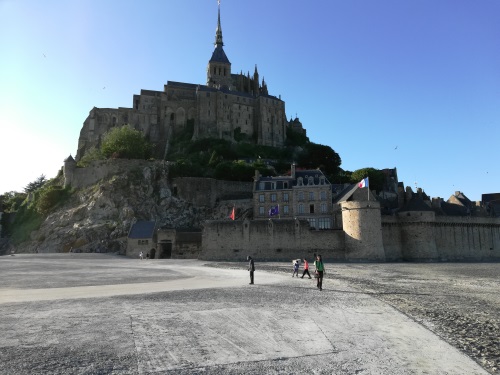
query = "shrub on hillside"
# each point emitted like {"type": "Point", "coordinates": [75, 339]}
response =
{"type": "Point", "coordinates": [125, 143]}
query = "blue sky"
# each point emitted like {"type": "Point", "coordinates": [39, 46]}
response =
{"type": "Point", "coordinates": [386, 83]}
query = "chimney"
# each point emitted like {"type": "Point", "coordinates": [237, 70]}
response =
{"type": "Point", "coordinates": [293, 170]}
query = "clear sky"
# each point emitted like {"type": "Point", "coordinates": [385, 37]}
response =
{"type": "Point", "coordinates": [411, 84]}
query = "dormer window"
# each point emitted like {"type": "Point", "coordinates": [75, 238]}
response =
{"type": "Point", "coordinates": [310, 181]}
{"type": "Point", "coordinates": [299, 181]}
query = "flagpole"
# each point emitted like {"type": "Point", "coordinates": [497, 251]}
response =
{"type": "Point", "coordinates": [368, 188]}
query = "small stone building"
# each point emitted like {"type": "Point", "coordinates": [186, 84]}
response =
{"type": "Point", "coordinates": [142, 237]}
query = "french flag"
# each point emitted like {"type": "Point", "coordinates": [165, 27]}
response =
{"type": "Point", "coordinates": [363, 183]}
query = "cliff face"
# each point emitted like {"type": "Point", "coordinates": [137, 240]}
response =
{"type": "Point", "coordinates": [98, 217]}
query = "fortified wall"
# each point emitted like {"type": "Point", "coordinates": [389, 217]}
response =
{"type": "Point", "coordinates": [422, 236]}
{"type": "Point", "coordinates": [208, 191]}
{"type": "Point", "coordinates": [269, 240]}
{"type": "Point", "coordinates": [366, 236]}
{"type": "Point", "coordinates": [78, 178]}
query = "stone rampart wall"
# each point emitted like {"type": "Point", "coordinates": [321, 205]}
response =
{"type": "Point", "coordinates": [270, 240]}
{"type": "Point", "coordinates": [102, 169]}
{"type": "Point", "coordinates": [207, 191]}
{"type": "Point", "coordinates": [450, 238]}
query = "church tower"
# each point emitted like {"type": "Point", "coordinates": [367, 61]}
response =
{"type": "Point", "coordinates": [219, 67]}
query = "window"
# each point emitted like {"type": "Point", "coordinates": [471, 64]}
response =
{"type": "Point", "coordinates": [285, 197]}
{"type": "Point", "coordinates": [142, 242]}
{"type": "Point", "coordinates": [261, 198]}
{"type": "Point", "coordinates": [301, 195]}
{"type": "Point", "coordinates": [261, 186]}
{"type": "Point", "coordinates": [299, 181]}
{"type": "Point", "coordinates": [323, 208]}
{"type": "Point", "coordinates": [323, 195]}
{"type": "Point", "coordinates": [261, 211]}
{"type": "Point", "coordinates": [324, 223]}
{"type": "Point", "coordinates": [285, 210]}
{"type": "Point", "coordinates": [273, 197]}
{"type": "Point", "coordinates": [322, 180]}
{"type": "Point", "coordinates": [310, 181]}
{"type": "Point", "coordinates": [311, 195]}
{"type": "Point", "coordinates": [311, 208]}
{"type": "Point", "coordinates": [301, 208]}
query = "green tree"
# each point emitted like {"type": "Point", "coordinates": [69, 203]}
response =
{"type": "Point", "coordinates": [376, 177]}
{"type": "Point", "coordinates": [126, 143]}
{"type": "Point", "coordinates": [35, 185]}
{"type": "Point", "coordinates": [320, 156]}
{"type": "Point", "coordinates": [92, 154]}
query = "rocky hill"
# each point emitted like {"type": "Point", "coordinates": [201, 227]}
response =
{"type": "Point", "coordinates": [97, 218]}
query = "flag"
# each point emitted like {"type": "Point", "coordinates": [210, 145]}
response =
{"type": "Point", "coordinates": [232, 214]}
{"type": "Point", "coordinates": [273, 211]}
{"type": "Point", "coordinates": [363, 183]}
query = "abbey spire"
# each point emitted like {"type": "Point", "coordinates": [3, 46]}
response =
{"type": "Point", "coordinates": [219, 67]}
{"type": "Point", "coordinates": [218, 31]}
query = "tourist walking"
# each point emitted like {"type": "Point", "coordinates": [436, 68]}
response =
{"type": "Point", "coordinates": [320, 270]}
{"type": "Point", "coordinates": [251, 268]}
{"type": "Point", "coordinates": [141, 255]}
{"type": "Point", "coordinates": [306, 269]}
{"type": "Point", "coordinates": [295, 268]}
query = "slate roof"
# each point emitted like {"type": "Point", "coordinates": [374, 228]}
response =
{"type": "Point", "coordinates": [451, 209]}
{"type": "Point", "coordinates": [416, 204]}
{"type": "Point", "coordinates": [219, 55]}
{"type": "Point", "coordinates": [142, 229]}
{"type": "Point", "coordinates": [316, 174]}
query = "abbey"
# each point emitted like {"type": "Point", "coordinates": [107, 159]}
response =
{"type": "Point", "coordinates": [229, 106]}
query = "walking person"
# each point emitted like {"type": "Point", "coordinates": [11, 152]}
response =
{"type": "Point", "coordinates": [306, 269]}
{"type": "Point", "coordinates": [251, 268]}
{"type": "Point", "coordinates": [141, 255]}
{"type": "Point", "coordinates": [295, 268]}
{"type": "Point", "coordinates": [320, 270]}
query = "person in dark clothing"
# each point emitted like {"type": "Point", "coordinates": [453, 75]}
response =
{"type": "Point", "coordinates": [251, 268]}
{"type": "Point", "coordinates": [320, 270]}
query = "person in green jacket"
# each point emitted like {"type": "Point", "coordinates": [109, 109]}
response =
{"type": "Point", "coordinates": [320, 270]}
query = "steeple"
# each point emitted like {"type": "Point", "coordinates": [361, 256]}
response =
{"type": "Point", "coordinates": [218, 31]}
{"type": "Point", "coordinates": [219, 67]}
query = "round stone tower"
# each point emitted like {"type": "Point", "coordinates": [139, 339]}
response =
{"type": "Point", "coordinates": [363, 231]}
{"type": "Point", "coordinates": [69, 170]}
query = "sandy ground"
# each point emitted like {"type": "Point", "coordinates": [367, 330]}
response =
{"type": "Point", "coordinates": [102, 314]}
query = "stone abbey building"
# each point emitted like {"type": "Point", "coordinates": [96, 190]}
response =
{"type": "Point", "coordinates": [228, 106]}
